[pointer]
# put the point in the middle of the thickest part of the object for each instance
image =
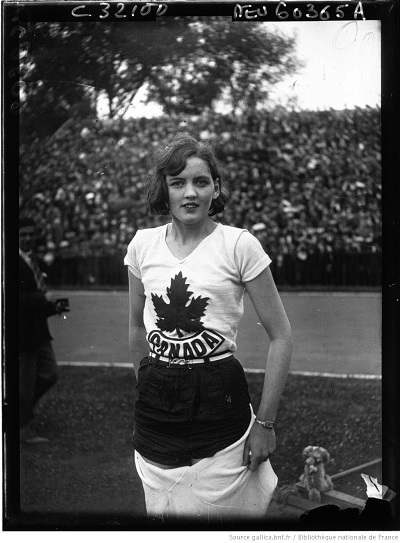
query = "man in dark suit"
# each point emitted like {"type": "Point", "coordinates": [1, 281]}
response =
{"type": "Point", "coordinates": [37, 362]}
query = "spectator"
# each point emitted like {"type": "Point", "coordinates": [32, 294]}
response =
{"type": "Point", "coordinates": [313, 178]}
{"type": "Point", "coordinates": [37, 362]}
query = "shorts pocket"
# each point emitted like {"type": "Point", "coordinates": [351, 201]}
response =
{"type": "Point", "coordinates": [234, 385]}
{"type": "Point", "coordinates": [141, 376]}
{"type": "Point", "coordinates": [150, 388]}
{"type": "Point", "coordinates": [214, 395]}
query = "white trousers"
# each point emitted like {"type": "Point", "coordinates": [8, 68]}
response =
{"type": "Point", "coordinates": [214, 488]}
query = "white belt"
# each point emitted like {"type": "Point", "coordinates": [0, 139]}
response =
{"type": "Point", "coordinates": [188, 362]}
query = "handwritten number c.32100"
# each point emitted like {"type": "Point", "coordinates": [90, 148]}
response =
{"type": "Point", "coordinates": [106, 10]}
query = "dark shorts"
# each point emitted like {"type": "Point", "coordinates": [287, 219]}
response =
{"type": "Point", "coordinates": [183, 413]}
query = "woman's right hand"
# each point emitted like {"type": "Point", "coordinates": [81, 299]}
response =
{"type": "Point", "coordinates": [260, 444]}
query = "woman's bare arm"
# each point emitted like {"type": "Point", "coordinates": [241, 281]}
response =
{"type": "Point", "coordinates": [138, 345]}
{"type": "Point", "coordinates": [268, 305]}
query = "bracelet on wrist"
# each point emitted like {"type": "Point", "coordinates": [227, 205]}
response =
{"type": "Point", "coordinates": [266, 423]}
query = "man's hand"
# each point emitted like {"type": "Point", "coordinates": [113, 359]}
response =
{"type": "Point", "coordinates": [57, 305]}
{"type": "Point", "coordinates": [260, 444]}
{"type": "Point", "coordinates": [50, 297]}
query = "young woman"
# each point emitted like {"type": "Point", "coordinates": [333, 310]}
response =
{"type": "Point", "coordinates": [200, 450]}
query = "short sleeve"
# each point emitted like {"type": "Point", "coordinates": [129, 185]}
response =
{"type": "Point", "coordinates": [131, 258]}
{"type": "Point", "coordinates": [251, 259]}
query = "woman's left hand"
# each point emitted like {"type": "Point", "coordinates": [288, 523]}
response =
{"type": "Point", "coordinates": [260, 443]}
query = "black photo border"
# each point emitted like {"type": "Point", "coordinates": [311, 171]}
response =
{"type": "Point", "coordinates": [14, 15]}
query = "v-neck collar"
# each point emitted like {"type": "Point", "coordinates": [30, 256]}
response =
{"type": "Point", "coordinates": [194, 250]}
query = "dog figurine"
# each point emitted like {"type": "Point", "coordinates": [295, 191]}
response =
{"type": "Point", "coordinates": [314, 477]}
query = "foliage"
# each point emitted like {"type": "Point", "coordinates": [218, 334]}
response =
{"type": "Point", "coordinates": [52, 94]}
{"type": "Point", "coordinates": [186, 65]}
{"type": "Point", "coordinates": [236, 63]}
{"type": "Point", "coordinates": [70, 64]}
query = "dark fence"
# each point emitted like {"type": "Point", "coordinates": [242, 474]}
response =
{"type": "Point", "coordinates": [339, 269]}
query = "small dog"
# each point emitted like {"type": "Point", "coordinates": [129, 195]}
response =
{"type": "Point", "coordinates": [314, 477]}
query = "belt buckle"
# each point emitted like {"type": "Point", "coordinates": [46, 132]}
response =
{"type": "Point", "coordinates": [179, 362]}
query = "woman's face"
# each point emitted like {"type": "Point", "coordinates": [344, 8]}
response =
{"type": "Point", "coordinates": [191, 192]}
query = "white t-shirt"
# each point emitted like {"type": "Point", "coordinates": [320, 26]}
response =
{"type": "Point", "coordinates": [193, 305]}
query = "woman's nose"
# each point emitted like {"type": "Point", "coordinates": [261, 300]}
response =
{"type": "Point", "coordinates": [190, 190]}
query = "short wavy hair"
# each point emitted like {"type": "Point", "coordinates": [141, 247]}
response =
{"type": "Point", "coordinates": [172, 161]}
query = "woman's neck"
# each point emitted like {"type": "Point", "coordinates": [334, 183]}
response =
{"type": "Point", "coordinates": [187, 233]}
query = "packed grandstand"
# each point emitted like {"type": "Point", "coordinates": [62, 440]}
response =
{"type": "Point", "coordinates": [307, 184]}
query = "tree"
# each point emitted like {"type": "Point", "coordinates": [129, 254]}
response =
{"type": "Point", "coordinates": [234, 62]}
{"type": "Point", "coordinates": [69, 65]}
{"type": "Point", "coordinates": [50, 94]}
{"type": "Point", "coordinates": [186, 63]}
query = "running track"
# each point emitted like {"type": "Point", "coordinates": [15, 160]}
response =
{"type": "Point", "coordinates": [333, 332]}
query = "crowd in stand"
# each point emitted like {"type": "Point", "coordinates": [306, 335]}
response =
{"type": "Point", "coordinates": [303, 182]}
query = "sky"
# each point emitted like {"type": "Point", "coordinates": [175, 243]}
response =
{"type": "Point", "coordinates": [342, 66]}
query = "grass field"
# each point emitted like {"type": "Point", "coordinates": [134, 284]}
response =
{"type": "Point", "coordinates": [88, 465]}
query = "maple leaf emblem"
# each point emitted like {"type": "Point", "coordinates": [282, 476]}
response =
{"type": "Point", "coordinates": [177, 315]}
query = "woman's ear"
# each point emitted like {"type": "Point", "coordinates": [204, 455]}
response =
{"type": "Point", "coordinates": [216, 188]}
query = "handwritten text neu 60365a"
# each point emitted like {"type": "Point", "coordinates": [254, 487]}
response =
{"type": "Point", "coordinates": [282, 11]}
{"type": "Point", "coordinates": [103, 10]}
